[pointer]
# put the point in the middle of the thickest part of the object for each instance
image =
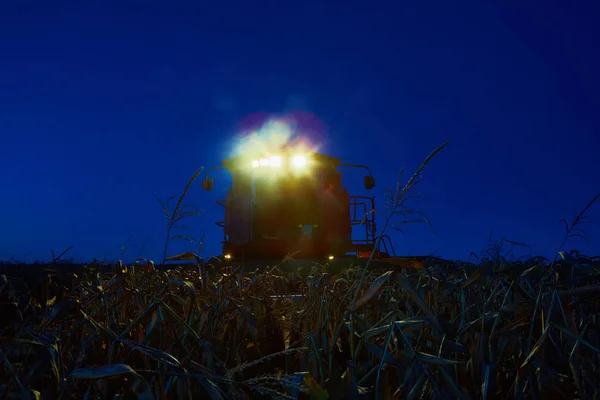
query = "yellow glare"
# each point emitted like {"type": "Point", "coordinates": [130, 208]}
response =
{"type": "Point", "coordinates": [331, 257]}
{"type": "Point", "coordinates": [299, 161]}
{"type": "Point", "coordinates": [228, 256]}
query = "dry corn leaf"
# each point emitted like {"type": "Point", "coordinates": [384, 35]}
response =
{"type": "Point", "coordinates": [372, 290]}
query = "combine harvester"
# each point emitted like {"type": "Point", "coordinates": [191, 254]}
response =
{"type": "Point", "coordinates": [292, 206]}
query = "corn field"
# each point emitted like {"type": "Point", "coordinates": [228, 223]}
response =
{"type": "Point", "coordinates": [441, 330]}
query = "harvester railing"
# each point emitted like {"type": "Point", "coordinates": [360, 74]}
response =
{"type": "Point", "coordinates": [361, 214]}
{"type": "Point", "coordinates": [385, 241]}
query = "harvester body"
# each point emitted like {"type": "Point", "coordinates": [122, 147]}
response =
{"type": "Point", "coordinates": [293, 204]}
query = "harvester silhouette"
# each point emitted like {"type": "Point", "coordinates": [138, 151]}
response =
{"type": "Point", "coordinates": [292, 202]}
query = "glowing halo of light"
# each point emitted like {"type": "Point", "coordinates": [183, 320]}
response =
{"type": "Point", "coordinates": [266, 134]}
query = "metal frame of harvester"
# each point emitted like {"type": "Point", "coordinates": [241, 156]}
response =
{"type": "Point", "coordinates": [293, 202]}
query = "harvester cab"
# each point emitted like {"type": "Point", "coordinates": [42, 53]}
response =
{"type": "Point", "coordinates": [293, 203]}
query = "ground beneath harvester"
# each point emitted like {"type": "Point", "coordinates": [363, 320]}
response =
{"type": "Point", "coordinates": [336, 265]}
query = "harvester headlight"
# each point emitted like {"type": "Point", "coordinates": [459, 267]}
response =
{"type": "Point", "coordinates": [273, 161]}
{"type": "Point", "coordinates": [299, 161]}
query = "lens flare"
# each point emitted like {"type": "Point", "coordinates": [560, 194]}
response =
{"type": "Point", "coordinates": [266, 135]}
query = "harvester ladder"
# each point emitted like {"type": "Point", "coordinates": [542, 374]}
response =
{"type": "Point", "coordinates": [222, 223]}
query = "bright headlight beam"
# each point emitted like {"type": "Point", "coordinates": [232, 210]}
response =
{"type": "Point", "coordinates": [299, 161]}
{"type": "Point", "coordinates": [273, 161]}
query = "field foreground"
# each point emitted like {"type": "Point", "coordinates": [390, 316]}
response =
{"type": "Point", "coordinates": [444, 330]}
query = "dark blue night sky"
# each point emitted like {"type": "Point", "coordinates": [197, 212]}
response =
{"type": "Point", "coordinates": [104, 102]}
